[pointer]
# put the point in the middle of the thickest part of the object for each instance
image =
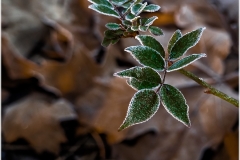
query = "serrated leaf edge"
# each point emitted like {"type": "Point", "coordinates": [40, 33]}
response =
{"type": "Point", "coordinates": [200, 56]}
{"type": "Point", "coordinates": [185, 102]}
{"type": "Point", "coordinates": [159, 101]}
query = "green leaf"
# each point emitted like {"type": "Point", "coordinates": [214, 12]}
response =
{"type": "Point", "coordinates": [150, 21]}
{"type": "Point", "coordinates": [134, 28]}
{"type": "Point", "coordinates": [151, 42]}
{"type": "Point", "coordinates": [143, 28]}
{"type": "Point", "coordinates": [143, 21]}
{"type": "Point", "coordinates": [119, 2]}
{"type": "Point", "coordinates": [130, 17]}
{"type": "Point", "coordinates": [111, 37]}
{"type": "Point", "coordinates": [105, 10]}
{"type": "Point", "coordinates": [147, 56]}
{"type": "Point", "coordinates": [103, 2]}
{"type": "Point", "coordinates": [126, 23]}
{"type": "Point", "coordinates": [175, 37]}
{"type": "Point", "coordinates": [184, 43]}
{"type": "Point", "coordinates": [142, 107]}
{"type": "Point", "coordinates": [175, 103]}
{"type": "Point", "coordinates": [127, 4]}
{"type": "Point", "coordinates": [113, 26]}
{"type": "Point", "coordinates": [185, 62]}
{"type": "Point", "coordinates": [138, 8]}
{"type": "Point", "coordinates": [155, 31]}
{"type": "Point", "coordinates": [141, 77]}
{"type": "Point", "coordinates": [151, 8]}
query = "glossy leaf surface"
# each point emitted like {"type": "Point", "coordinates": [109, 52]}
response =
{"type": "Point", "coordinates": [143, 105]}
{"type": "Point", "coordinates": [184, 43]}
{"type": "Point", "coordinates": [175, 103]}
{"type": "Point", "coordinates": [185, 62]}
{"type": "Point", "coordinates": [151, 42]}
{"type": "Point", "coordinates": [147, 56]}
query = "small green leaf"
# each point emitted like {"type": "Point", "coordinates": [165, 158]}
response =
{"type": "Point", "coordinates": [113, 26]}
{"type": "Point", "coordinates": [134, 28]}
{"type": "Point", "coordinates": [103, 2]}
{"type": "Point", "coordinates": [143, 21]}
{"type": "Point", "coordinates": [105, 10]}
{"type": "Point", "coordinates": [175, 103]}
{"type": "Point", "coordinates": [185, 62]}
{"type": "Point", "coordinates": [151, 8]}
{"type": "Point", "coordinates": [111, 37]}
{"type": "Point", "coordinates": [150, 21]}
{"type": "Point", "coordinates": [119, 2]}
{"type": "Point", "coordinates": [142, 107]}
{"type": "Point", "coordinates": [126, 23]}
{"type": "Point", "coordinates": [142, 28]}
{"type": "Point", "coordinates": [175, 37]}
{"type": "Point", "coordinates": [130, 17]}
{"type": "Point", "coordinates": [151, 42]}
{"type": "Point", "coordinates": [155, 31]}
{"type": "Point", "coordinates": [184, 43]}
{"type": "Point", "coordinates": [147, 56]}
{"type": "Point", "coordinates": [141, 77]}
{"type": "Point", "coordinates": [106, 42]}
{"type": "Point", "coordinates": [127, 4]}
{"type": "Point", "coordinates": [138, 8]}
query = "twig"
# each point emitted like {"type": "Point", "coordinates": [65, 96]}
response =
{"type": "Point", "coordinates": [210, 89]}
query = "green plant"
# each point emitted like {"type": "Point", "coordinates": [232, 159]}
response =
{"type": "Point", "coordinates": [150, 86]}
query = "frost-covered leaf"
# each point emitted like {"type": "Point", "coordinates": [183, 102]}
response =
{"type": "Point", "coordinates": [143, 77]}
{"type": "Point", "coordinates": [138, 8]}
{"type": "Point", "coordinates": [150, 21]}
{"type": "Point", "coordinates": [119, 2]}
{"type": "Point", "coordinates": [126, 23]}
{"type": "Point", "coordinates": [155, 31]}
{"type": "Point", "coordinates": [130, 17]}
{"type": "Point", "coordinates": [151, 42]}
{"type": "Point", "coordinates": [113, 26]}
{"type": "Point", "coordinates": [185, 61]}
{"type": "Point", "coordinates": [142, 107]}
{"type": "Point", "coordinates": [151, 8]}
{"type": "Point", "coordinates": [175, 103]}
{"type": "Point", "coordinates": [184, 43]}
{"type": "Point", "coordinates": [147, 56]}
{"type": "Point", "coordinates": [111, 37]}
{"type": "Point", "coordinates": [103, 9]}
{"type": "Point", "coordinates": [175, 37]}
{"type": "Point", "coordinates": [142, 28]}
{"type": "Point", "coordinates": [143, 21]}
{"type": "Point", "coordinates": [134, 28]}
{"type": "Point", "coordinates": [103, 2]}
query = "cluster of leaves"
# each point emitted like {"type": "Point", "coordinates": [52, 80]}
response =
{"type": "Point", "coordinates": [131, 21]}
{"type": "Point", "coordinates": [150, 86]}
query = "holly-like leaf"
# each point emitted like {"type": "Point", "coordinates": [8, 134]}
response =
{"type": "Point", "coordinates": [138, 8]}
{"type": "Point", "coordinates": [147, 56]}
{"type": "Point", "coordinates": [105, 10]}
{"type": "Point", "coordinates": [142, 107]}
{"type": "Point", "coordinates": [151, 8]}
{"type": "Point", "coordinates": [103, 2]}
{"type": "Point", "coordinates": [175, 103]}
{"type": "Point", "coordinates": [113, 26]}
{"type": "Point", "coordinates": [175, 37]}
{"type": "Point", "coordinates": [142, 28]}
{"type": "Point", "coordinates": [184, 43]}
{"type": "Point", "coordinates": [185, 62]}
{"type": "Point", "coordinates": [150, 21]}
{"type": "Point", "coordinates": [155, 31]}
{"type": "Point", "coordinates": [141, 77]}
{"type": "Point", "coordinates": [151, 42]}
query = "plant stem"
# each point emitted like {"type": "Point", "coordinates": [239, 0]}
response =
{"type": "Point", "coordinates": [119, 13]}
{"type": "Point", "coordinates": [164, 75]}
{"type": "Point", "coordinates": [210, 89]}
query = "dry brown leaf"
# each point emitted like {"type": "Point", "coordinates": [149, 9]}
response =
{"type": "Point", "coordinates": [36, 118]}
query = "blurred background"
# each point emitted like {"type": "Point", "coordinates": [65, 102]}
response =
{"type": "Point", "coordinates": [60, 100]}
